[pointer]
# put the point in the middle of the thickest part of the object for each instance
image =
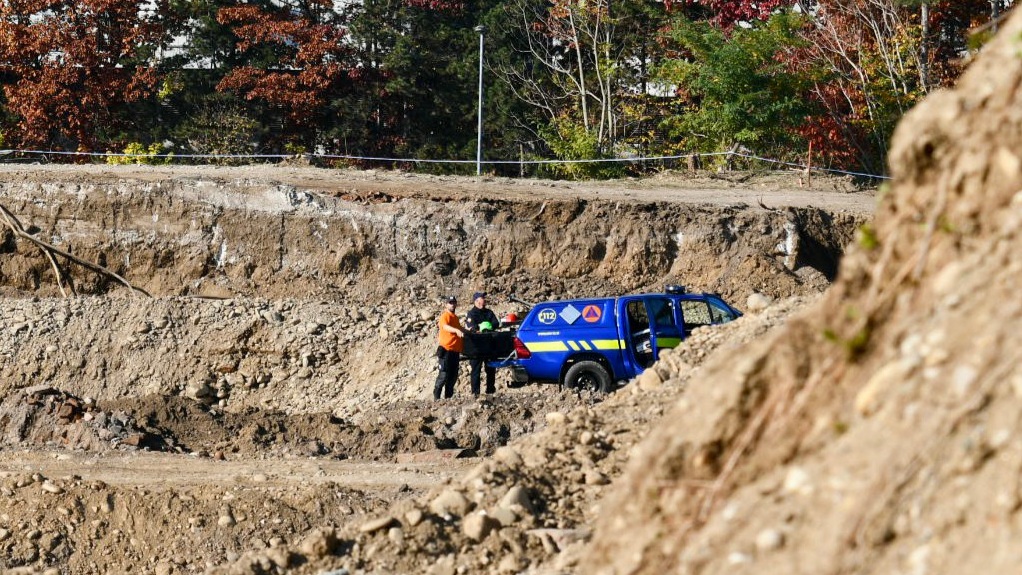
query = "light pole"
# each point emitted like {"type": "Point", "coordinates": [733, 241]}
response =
{"type": "Point", "coordinates": [479, 131]}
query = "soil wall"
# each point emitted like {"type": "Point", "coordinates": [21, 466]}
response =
{"type": "Point", "coordinates": [204, 236]}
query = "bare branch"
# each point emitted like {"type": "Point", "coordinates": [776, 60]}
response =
{"type": "Point", "coordinates": [49, 250]}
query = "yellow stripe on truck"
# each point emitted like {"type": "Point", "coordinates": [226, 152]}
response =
{"type": "Point", "coordinates": [607, 344]}
{"type": "Point", "coordinates": [541, 346]}
{"type": "Point", "coordinates": [598, 344]}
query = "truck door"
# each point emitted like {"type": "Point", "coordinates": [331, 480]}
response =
{"type": "Point", "coordinates": [699, 311]}
{"type": "Point", "coordinates": [652, 326]}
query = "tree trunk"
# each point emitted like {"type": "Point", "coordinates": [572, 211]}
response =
{"type": "Point", "coordinates": [924, 47]}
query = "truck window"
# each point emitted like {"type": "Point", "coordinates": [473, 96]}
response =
{"type": "Point", "coordinates": [638, 320]}
{"type": "Point", "coordinates": [719, 314]}
{"type": "Point", "coordinates": [662, 310]}
{"type": "Point", "coordinates": [696, 313]}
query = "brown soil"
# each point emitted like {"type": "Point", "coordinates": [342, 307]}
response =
{"type": "Point", "coordinates": [269, 410]}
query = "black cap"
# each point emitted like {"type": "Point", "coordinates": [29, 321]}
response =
{"type": "Point", "coordinates": [450, 299]}
{"type": "Point", "coordinates": [478, 295]}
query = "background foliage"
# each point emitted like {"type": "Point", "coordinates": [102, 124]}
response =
{"type": "Point", "coordinates": [564, 79]}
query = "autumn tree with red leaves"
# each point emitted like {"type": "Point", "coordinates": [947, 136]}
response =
{"type": "Point", "coordinates": [878, 59]}
{"type": "Point", "coordinates": [725, 14]}
{"type": "Point", "coordinates": [297, 59]}
{"type": "Point", "coordinates": [71, 68]}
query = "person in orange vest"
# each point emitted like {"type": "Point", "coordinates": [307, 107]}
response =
{"type": "Point", "coordinates": [451, 340]}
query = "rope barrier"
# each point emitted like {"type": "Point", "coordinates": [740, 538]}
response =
{"type": "Point", "coordinates": [637, 160]}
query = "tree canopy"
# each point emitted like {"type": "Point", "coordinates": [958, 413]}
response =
{"type": "Point", "coordinates": [563, 79]}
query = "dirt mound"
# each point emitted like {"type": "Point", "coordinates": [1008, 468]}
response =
{"type": "Point", "coordinates": [878, 433]}
{"type": "Point", "coordinates": [46, 416]}
{"type": "Point", "coordinates": [93, 527]}
{"type": "Point", "coordinates": [530, 507]}
{"type": "Point", "coordinates": [270, 410]}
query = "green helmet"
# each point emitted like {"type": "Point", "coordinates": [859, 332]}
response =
{"type": "Point", "coordinates": [485, 326]}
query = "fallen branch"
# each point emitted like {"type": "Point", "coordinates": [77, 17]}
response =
{"type": "Point", "coordinates": [49, 250]}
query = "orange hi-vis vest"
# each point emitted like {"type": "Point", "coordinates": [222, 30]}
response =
{"type": "Point", "coordinates": [450, 341]}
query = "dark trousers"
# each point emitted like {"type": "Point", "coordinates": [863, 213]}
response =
{"type": "Point", "coordinates": [448, 361]}
{"type": "Point", "coordinates": [491, 374]}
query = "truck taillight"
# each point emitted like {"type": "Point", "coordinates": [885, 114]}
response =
{"type": "Point", "coordinates": [521, 352]}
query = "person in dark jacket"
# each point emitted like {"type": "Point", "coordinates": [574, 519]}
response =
{"type": "Point", "coordinates": [481, 318]}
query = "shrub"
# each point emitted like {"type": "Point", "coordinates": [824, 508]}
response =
{"type": "Point", "coordinates": [138, 153]}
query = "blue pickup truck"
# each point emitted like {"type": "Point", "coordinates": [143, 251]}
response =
{"type": "Point", "coordinates": [598, 342]}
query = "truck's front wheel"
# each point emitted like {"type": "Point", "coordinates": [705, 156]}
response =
{"type": "Point", "coordinates": [588, 375]}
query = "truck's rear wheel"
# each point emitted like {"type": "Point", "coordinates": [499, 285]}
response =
{"type": "Point", "coordinates": [588, 375]}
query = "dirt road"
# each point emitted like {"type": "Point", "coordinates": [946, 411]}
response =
{"type": "Point", "coordinates": [146, 469]}
{"type": "Point", "coordinates": [774, 190]}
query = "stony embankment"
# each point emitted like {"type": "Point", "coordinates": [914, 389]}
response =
{"type": "Point", "coordinates": [529, 507]}
{"type": "Point", "coordinates": [293, 356]}
{"type": "Point", "coordinates": [211, 233]}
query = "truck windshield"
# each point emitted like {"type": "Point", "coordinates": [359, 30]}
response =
{"type": "Point", "coordinates": [719, 314]}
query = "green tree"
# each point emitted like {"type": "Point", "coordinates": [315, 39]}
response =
{"type": "Point", "coordinates": [416, 83]}
{"type": "Point", "coordinates": [738, 89]}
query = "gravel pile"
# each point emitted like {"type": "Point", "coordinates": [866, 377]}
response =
{"type": "Point", "coordinates": [527, 508]}
{"type": "Point", "coordinates": [228, 354]}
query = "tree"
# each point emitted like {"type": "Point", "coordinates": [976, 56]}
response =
{"type": "Point", "coordinates": [74, 67]}
{"type": "Point", "coordinates": [417, 91]}
{"type": "Point", "coordinates": [739, 88]}
{"type": "Point", "coordinates": [726, 14]}
{"type": "Point", "coordinates": [295, 60]}
{"type": "Point", "coordinates": [880, 58]}
{"type": "Point", "coordinates": [581, 71]}
{"type": "Point", "coordinates": [204, 43]}
{"type": "Point", "coordinates": [569, 44]}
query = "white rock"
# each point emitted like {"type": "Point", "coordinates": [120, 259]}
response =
{"type": "Point", "coordinates": [318, 543]}
{"type": "Point", "coordinates": [396, 536]}
{"type": "Point", "coordinates": [649, 380]}
{"type": "Point", "coordinates": [508, 456]}
{"type": "Point", "coordinates": [478, 525]}
{"type": "Point", "coordinates": [757, 302]}
{"type": "Point", "coordinates": [505, 516]}
{"type": "Point", "coordinates": [962, 379]}
{"type": "Point", "coordinates": [413, 517]}
{"type": "Point", "coordinates": [450, 502]}
{"type": "Point", "coordinates": [738, 558]}
{"type": "Point", "coordinates": [376, 524]}
{"type": "Point", "coordinates": [869, 399]}
{"type": "Point", "coordinates": [517, 495]}
{"type": "Point", "coordinates": [556, 418]}
{"type": "Point", "coordinates": [797, 481]}
{"type": "Point", "coordinates": [769, 540]}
